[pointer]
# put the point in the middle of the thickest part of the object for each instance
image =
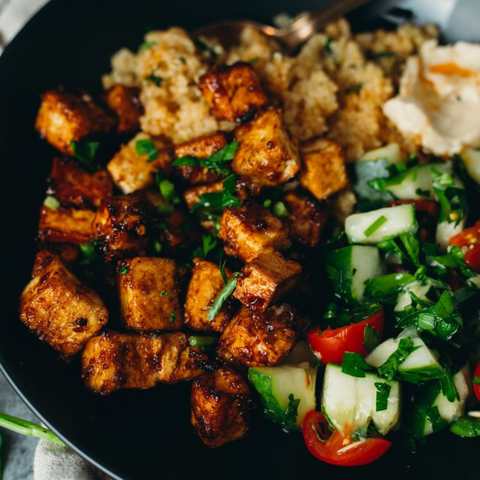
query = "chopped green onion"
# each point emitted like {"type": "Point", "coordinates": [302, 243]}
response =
{"type": "Point", "coordinates": [157, 247]}
{"type": "Point", "coordinates": [173, 316]}
{"type": "Point", "coordinates": [167, 188]}
{"type": "Point", "coordinates": [375, 226]}
{"type": "Point", "coordinates": [267, 203]}
{"type": "Point", "coordinates": [52, 203]}
{"type": "Point", "coordinates": [222, 297]}
{"type": "Point", "coordinates": [209, 243]}
{"type": "Point", "coordinates": [124, 269]}
{"type": "Point", "coordinates": [1, 457]}
{"type": "Point", "coordinates": [85, 151]}
{"type": "Point", "coordinates": [146, 147]}
{"type": "Point", "coordinates": [24, 427]}
{"type": "Point", "coordinates": [201, 341]}
{"type": "Point", "coordinates": [383, 392]}
{"type": "Point", "coordinates": [164, 293]}
{"type": "Point", "coordinates": [279, 209]}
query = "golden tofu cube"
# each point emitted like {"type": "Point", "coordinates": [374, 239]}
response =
{"type": "Point", "coordinates": [149, 294]}
{"type": "Point", "coordinates": [234, 92]}
{"type": "Point", "coordinates": [260, 339]}
{"type": "Point", "coordinates": [114, 361]}
{"type": "Point", "coordinates": [202, 147]}
{"type": "Point", "coordinates": [61, 310]}
{"type": "Point", "coordinates": [65, 117]}
{"type": "Point", "coordinates": [66, 252]}
{"type": "Point", "coordinates": [251, 229]}
{"type": "Point", "coordinates": [266, 153]}
{"type": "Point", "coordinates": [306, 218]}
{"type": "Point", "coordinates": [221, 406]}
{"type": "Point", "coordinates": [205, 285]}
{"type": "Point", "coordinates": [66, 225]}
{"type": "Point", "coordinates": [265, 280]}
{"type": "Point", "coordinates": [323, 170]}
{"type": "Point", "coordinates": [73, 186]}
{"type": "Point", "coordinates": [122, 224]}
{"type": "Point", "coordinates": [125, 102]}
{"type": "Point", "coordinates": [131, 171]}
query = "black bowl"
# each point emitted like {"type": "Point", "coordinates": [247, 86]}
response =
{"type": "Point", "coordinates": [136, 434]}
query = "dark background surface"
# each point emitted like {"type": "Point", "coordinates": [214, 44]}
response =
{"type": "Point", "coordinates": [134, 435]}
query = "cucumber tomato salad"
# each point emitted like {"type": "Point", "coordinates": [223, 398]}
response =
{"type": "Point", "coordinates": [396, 351]}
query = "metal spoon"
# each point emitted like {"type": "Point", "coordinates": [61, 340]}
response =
{"type": "Point", "coordinates": [228, 32]}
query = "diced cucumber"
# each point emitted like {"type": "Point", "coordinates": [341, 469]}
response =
{"type": "Point", "coordinates": [446, 230]}
{"type": "Point", "coordinates": [350, 268]}
{"type": "Point", "coordinates": [287, 392]}
{"type": "Point", "coordinates": [372, 227]}
{"type": "Point", "coordinates": [422, 291]}
{"type": "Point", "coordinates": [390, 152]}
{"type": "Point", "coordinates": [351, 402]}
{"type": "Point", "coordinates": [475, 280]}
{"type": "Point", "coordinates": [471, 159]}
{"type": "Point", "coordinates": [420, 366]}
{"type": "Point", "coordinates": [430, 401]}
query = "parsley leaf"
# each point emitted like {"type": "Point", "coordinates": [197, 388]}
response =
{"type": "Point", "coordinates": [385, 288]}
{"type": "Point", "coordinates": [146, 147]}
{"type": "Point", "coordinates": [292, 408]}
{"type": "Point", "coordinates": [466, 427]}
{"type": "Point", "coordinates": [390, 367]}
{"type": "Point", "coordinates": [448, 385]}
{"type": "Point", "coordinates": [85, 151]}
{"type": "Point", "coordinates": [209, 243]}
{"type": "Point", "coordinates": [383, 392]}
{"type": "Point", "coordinates": [222, 297]}
{"type": "Point", "coordinates": [371, 338]}
{"type": "Point", "coordinates": [354, 365]}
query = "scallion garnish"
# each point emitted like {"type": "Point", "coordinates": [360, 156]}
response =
{"type": "Point", "coordinates": [201, 341]}
{"type": "Point", "coordinates": [85, 151]}
{"type": "Point", "coordinates": [146, 147]}
{"type": "Point", "coordinates": [124, 270]}
{"type": "Point", "coordinates": [383, 392]}
{"type": "Point", "coordinates": [167, 188]}
{"type": "Point", "coordinates": [222, 297]}
{"type": "Point", "coordinates": [279, 209]}
{"type": "Point", "coordinates": [173, 316]}
{"type": "Point", "coordinates": [375, 226]}
{"type": "Point", "coordinates": [51, 202]}
{"type": "Point", "coordinates": [30, 429]}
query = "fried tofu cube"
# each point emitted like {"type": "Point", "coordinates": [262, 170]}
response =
{"type": "Point", "coordinates": [66, 225]}
{"type": "Point", "coordinates": [114, 361]}
{"type": "Point", "coordinates": [122, 224]}
{"type": "Point", "coordinates": [125, 102]}
{"type": "Point", "coordinates": [266, 153]}
{"type": "Point", "coordinates": [251, 229]}
{"type": "Point", "coordinates": [265, 280]}
{"type": "Point", "coordinates": [178, 233]}
{"type": "Point", "coordinates": [61, 310]}
{"type": "Point", "coordinates": [192, 195]}
{"type": "Point", "coordinates": [66, 252]}
{"type": "Point", "coordinates": [233, 92]}
{"type": "Point", "coordinates": [260, 339]}
{"type": "Point", "coordinates": [306, 218]}
{"type": "Point", "coordinates": [73, 186]}
{"type": "Point", "coordinates": [131, 172]}
{"type": "Point", "coordinates": [202, 147]}
{"type": "Point", "coordinates": [65, 117]}
{"type": "Point", "coordinates": [205, 285]}
{"type": "Point", "coordinates": [149, 292]}
{"type": "Point", "coordinates": [221, 406]}
{"type": "Point", "coordinates": [323, 168]}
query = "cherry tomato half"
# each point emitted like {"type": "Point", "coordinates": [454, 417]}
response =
{"type": "Point", "coordinates": [472, 258]}
{"type": "Point", "coordinates": [467, 237]}
{"type": "Point", "coordinates": [337, 449]}
{"type": "Point", "coordinates": [330, 345]}
{"type": "Point", "coordinates": [476, 388]}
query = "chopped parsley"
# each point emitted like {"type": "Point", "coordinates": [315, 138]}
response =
{"type": "Point", "coordinates": [383, 392]}
{"type": "Point", "coordinates": [173, 316]}
{"type": "Point", "coordinates": [89, 252]}
{"type": "Point", "coordinates": [221, 266]}
{"type": "Point", "coordinates": [354, 365]}
{"type": "Point", "coordinates": [209, 243]}
{"type": "Point", "coordinates": [375, 226]}
{"type": "Point", "coordinates": [146, 147]}
{"type": "Point", "coordinates": [466, 427]}
{"type": "Point", "coordinates": [371, 338]}
{"type": "Point", "coordinates": [164, 293]}
{"type": "Point", "coordinates": [85, 151]}
{"type": "Point", "coordinates": [292, 409]}
{"type": "Point", "coordinates": [124, 269]}
{"type": "Point", "coordinates": [222, 297]}
{"type": "Point", "coordinates": [390, 367]}
{"type": "Point", "coordinates": [51, 202]}
{"type": "Point", "coordinates": [157, 81]}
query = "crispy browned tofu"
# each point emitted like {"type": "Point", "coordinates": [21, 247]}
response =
{"type": "Point", "coordinates": [66, 225]}
{"type": "Point", "coordinates": [221, 407]}
{"type": "Point", "coordinates": [205, 285]}
{"type": "Point", "coordinates": [306, 218]}
{"type": "Point", "coordinates": [122, 224]}
{"type": "Point", "coordinates": [125, 102]}
{"type": "Point", "coordinates": [265, 280]}
{"type": "Point", "coordinates": [131, 171]}
{"type": "Point", "coordinates": [113, 361]}
{"type": "Point", "coordinates": [250, 229]}
{"type": "Point", "coordinates": [61, 310]}
{"type": "Point", "coordinates": [178, 232]}
{"type": "Point", "coordinates": [73, 186]}
{"type": "Point", "coordinates": [255, 339]}
{"type": "Point", "coordinates": [149, 292]}
{"type": "Point", "coordinates": [323, 168]}
{"type": "Point", "coordinates": [233, 92]}
{"type": "Point", "coordinates": [66, 252]}
{"type": "Point", "coordinates": [201, 147]}
{"type": "Point", "coordinates": [266, 153]}
{"type": "Point", "coordinates": [65, 117]}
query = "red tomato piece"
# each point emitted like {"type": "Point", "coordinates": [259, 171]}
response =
{"type": "Point", "coordinates": [337, 449]}
{"type": "Point", "coordinates": [476, 388]}
{"type": "Point", "coordinates": [467, 237]}
{"type": "Point", "coordinates": [330, 345]}
{"type": "Point", "coordinates": [472, 258]}
{"type": "Point", "coordinates": [454, 280]}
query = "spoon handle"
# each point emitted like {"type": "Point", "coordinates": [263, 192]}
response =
{"type": "Point", "coordinates": [310, 23]}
